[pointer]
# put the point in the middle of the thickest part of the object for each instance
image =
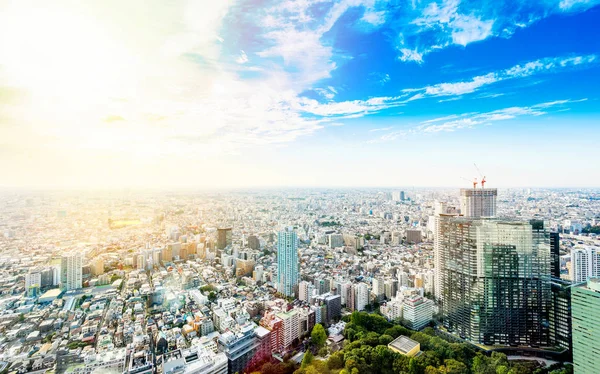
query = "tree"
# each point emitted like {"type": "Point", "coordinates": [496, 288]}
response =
{"type": "Point", "coordinates": [336, 361]}
{"type": "Point", "coordinates": [212, 296]}
{"type": "Point", "coordinates": [318, 335]}
{"type": "Point", "coordinates": [306, 360]}
{"type": "Point", "coordinates": [385, 339]}
{"type": "Point", "coordinates": [456, 367]}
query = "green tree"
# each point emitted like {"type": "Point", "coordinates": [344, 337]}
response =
{"type": "Point", "coordinates": [336, 361]}
{"type": "Point", "coordinates": [456, 367]}
{"type": "Point", "coordinates": [385, 339]}
{"type": "Point", "coordinates": [307, 359]}
{"type": "Point", "coordinates": [318, 335]}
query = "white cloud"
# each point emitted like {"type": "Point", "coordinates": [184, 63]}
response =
{"type": "Point", "coordinates": [469, 29]}
{"type": "Point", "coordinates": [567, 5]}
{"type": "Point", "coordinates": [411, 55]}
{"type": "Point", "coordinates": [461, 88]}
{"type": "Point", "coordinates": [374, 18]}
{"type": "Point", "coordinates": [546, 65]}
{"type": "Point", "coordinates": [471, 120]}
{"type": "Point", "coordinates": [243, 58]}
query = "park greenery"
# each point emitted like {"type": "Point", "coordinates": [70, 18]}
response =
{"type": "Point", "coordinates": [365, 351]}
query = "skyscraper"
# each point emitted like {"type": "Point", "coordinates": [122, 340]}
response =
{"type": "Point", "coordinates": [555, 254]}
{"type": "Point", "coordinates": [287, 262]}
{"type": "Point", "coordinates": [71, 273]}
{"type": "Point", "coordinates": [494, 280]}
{"type": "Point", "coordinates": [224, 237]}
{"type": "Point", "coordinates": [585, 263]}
{"type": "Point", "coordinates": [586, 326]}
{"type": "Point", "coordinates": [478, 202]}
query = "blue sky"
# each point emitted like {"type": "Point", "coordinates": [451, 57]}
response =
{"type": "Point", "coordinates": [300, 93]}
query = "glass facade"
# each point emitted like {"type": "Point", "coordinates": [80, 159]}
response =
{"type": "Point", "coordinates": [495, 280]}
{"type": "Point", "coordinates": [586, 327]}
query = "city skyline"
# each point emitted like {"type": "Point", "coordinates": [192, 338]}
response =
{"type": "Point", "coordinates": [298, 93]}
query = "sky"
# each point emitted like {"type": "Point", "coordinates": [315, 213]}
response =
{"type": "Point", "coordinates": [348, 93]}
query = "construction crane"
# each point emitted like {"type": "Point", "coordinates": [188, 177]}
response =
{"type": "Point", "coordinates": [481, 175]}
{"type": "Point", "coordinates": [474, 181]}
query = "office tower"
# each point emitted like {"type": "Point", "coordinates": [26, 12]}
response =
{"type": "Point", "coordinates": [287, 262]}
{"type": "Point", "coordinates": [442, 209]}
{"type": "Point", "coordinates": [417, 311]}
{"type": "Point", "coordinates": [560, 328]}
{"type": "Point", "coordinates": [396, 196]}
{"type": "Point", "coordinates": [555, 254]}
{"type": "Point", "coordinates": [334, 307]}
{"type": "Point", "coordinates": [253, 242]}
{"type": "Point", "coordinates": [402, 196]}
{"type": "Point", "coordinates": [71, 271]}
{"type": "Point", "coordinates": [586, 327]}
{"type": "Point", "coordinates": [585, 263]}
{"type": "Point", "coordinates": [224, 237]}
{"type": "Point", "coordinates": [413, 236]}
{"type": "Point", "coordinates": [495, 280]}
{"type": "Point", "coordinates": [478, 202]}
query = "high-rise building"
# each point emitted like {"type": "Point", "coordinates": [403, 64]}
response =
{"type": "Point", "coordinates": [478, 202]}
{"type": "Point", "coordinates": [585, 263]}
{"type": "Point", "coordinates": [441, 210]}
{"type": "Point", "coordinates": [71, 271]}
{"type": "Point", "coordinates": [413, 236]}
{"type": "Point", "coordinates": [287, 262]}
{"type": "Point", "coordinates": [586, 327]}
{"type": "Point", "coordinates": [560, 314]}
{"type": "Point", "coordinates": [494, 279]}
{"type": "Point", "coordinates": [555, 254]}
{"type": "Point", "coordinates": [361, 296]}
{"type": "Point", "coordinates": [224, 237]}
{"type": "Point", "coordinates": [254, 242]}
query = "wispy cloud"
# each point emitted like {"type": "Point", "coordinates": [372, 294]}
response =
{"type": "Point", "coordinates": [546, 65]}
{"type": "Point", "coordinates": [463, 121]}
{"type": "Point", "coordinates": [434, 25]}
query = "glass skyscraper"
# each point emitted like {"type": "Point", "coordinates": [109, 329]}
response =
{"type": "Point", "coordinates": [494, 280]}
{"type": "Point", "coordinates": [586, 326]}
{"type": "Point", "coordinates": [287, 262]}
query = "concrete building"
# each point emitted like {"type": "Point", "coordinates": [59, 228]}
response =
{"type": "Point", "coordinates": [224, 237]}
{"type": "Point", "coordinates": [585, 263]}
{"type": "Point", "coordinates": [417, 311]}
{"type": "Point", "coordinates": [71, 271]}
{"type": "Point", "coordinates": [405, 346]}
{"type": "Point", "coordinates": [413, 236]}
{"type": "Point", "coordinates": [478, 202]}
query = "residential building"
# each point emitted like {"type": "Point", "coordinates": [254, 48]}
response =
{"type": "Point", "coordinates": [287, 262]}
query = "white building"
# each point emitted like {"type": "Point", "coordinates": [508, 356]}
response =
{"type": "Point", "coordinates": [478, 202]}
{"type": "Point", "coordinates": [417, 311]}
{"type": "Point", "coordinates": [71, 274]}
{"type": "Point", "coordinates": [585, 263]}
{"type": "Point", "coordinates": [361, 296]}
